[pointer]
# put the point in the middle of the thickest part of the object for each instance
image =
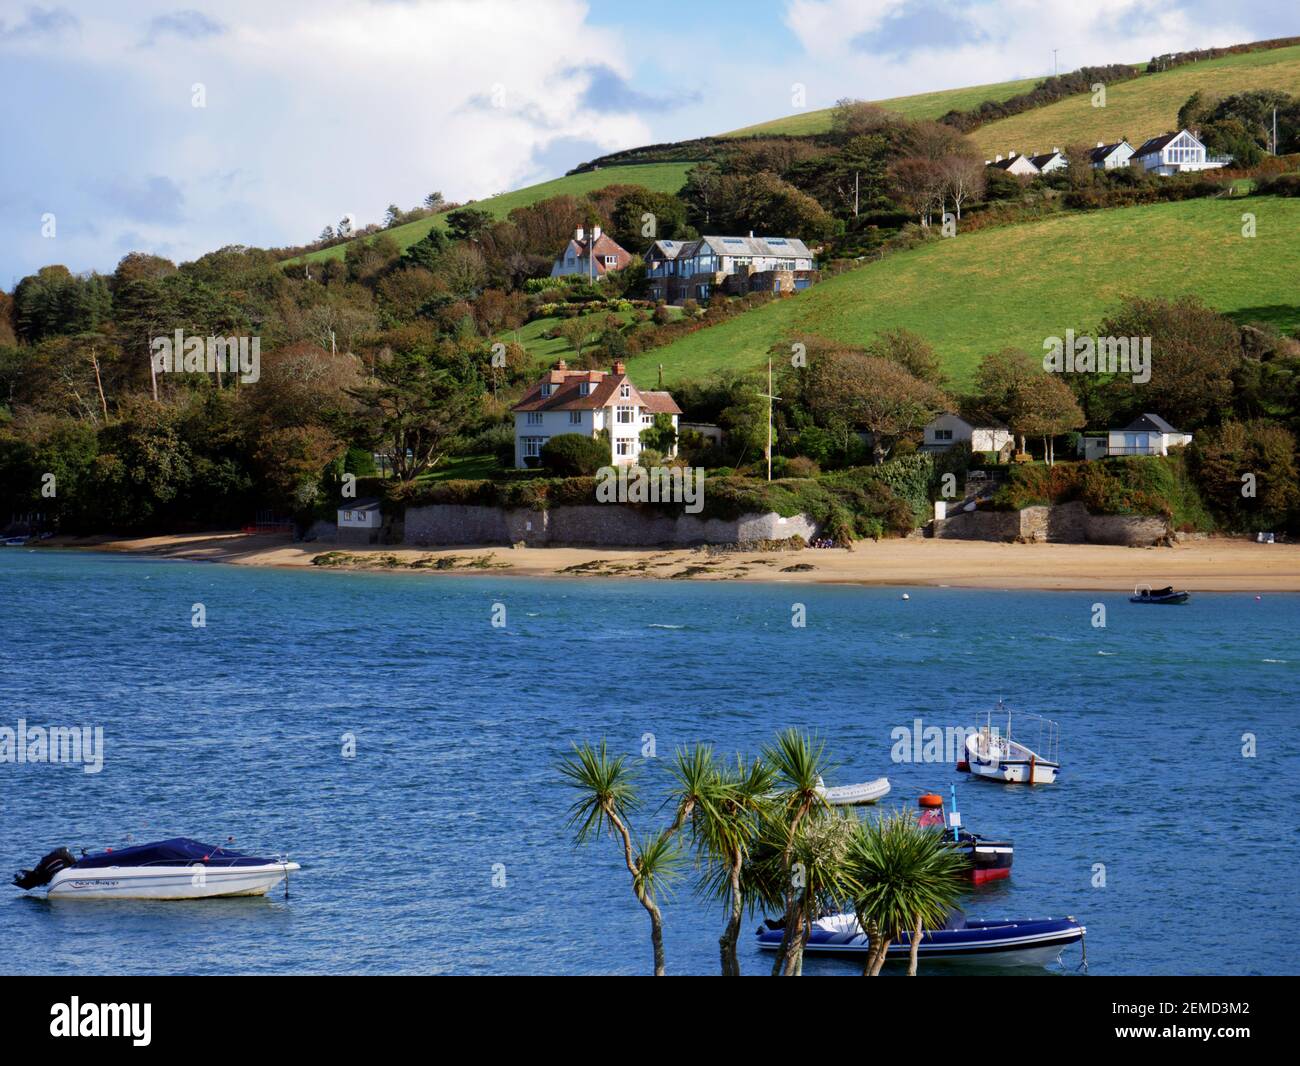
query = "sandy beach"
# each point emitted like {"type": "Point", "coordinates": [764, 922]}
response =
{"type": "Point", "coordinates": [1214, 564]}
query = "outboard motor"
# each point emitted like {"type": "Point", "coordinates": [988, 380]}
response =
{"type": "Point", "coordinates": [55, 861]}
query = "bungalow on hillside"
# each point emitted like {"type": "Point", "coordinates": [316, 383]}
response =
{"type": "Point", "coordinates": [588, 402]}
{"type": "Point", "coordinates": [1019, 165]}
{"type": "Point", "coordinates": [1049, 161]}
{"type": "Point", "coordinates": [677, 271]}
{"type": "Point", "coordinates": [592, 256]}
{"type": "Point", "coordinates": [1109, 156]}
{"type": "Point", "coordinates": [1148, 434]}
{"type": "Point", "coordinates": [949, 429]}
{"type": "Point", "coordinates": [1176, 153]}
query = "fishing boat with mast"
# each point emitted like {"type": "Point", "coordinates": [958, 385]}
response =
{"type": "Point", "coordinates": [998, 756]}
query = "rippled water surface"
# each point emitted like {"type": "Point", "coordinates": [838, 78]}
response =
{"type": "Point", "coordinates": [235, 730]}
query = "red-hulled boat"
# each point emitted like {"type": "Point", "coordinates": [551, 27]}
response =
{"type": "Point", "coordinates": [990, 860]}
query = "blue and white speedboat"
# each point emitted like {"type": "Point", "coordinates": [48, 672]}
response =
{"type": "Point", "coordinates": [179, 868]}
{"type": "Point", "coordinates": [1025, 942]}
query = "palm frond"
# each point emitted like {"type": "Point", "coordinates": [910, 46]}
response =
{"type": "Point", "coordinates": [606, 788]}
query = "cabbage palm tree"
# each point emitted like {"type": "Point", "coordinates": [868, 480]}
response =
{"type": "Point", "coordinates": [902, 877]}
{"type": "Point", "coordinates": [607, 796]}
{"type": "Point", "coordinates": [799, 765]}
{"type": "Point", "coordinates": [724, 831]}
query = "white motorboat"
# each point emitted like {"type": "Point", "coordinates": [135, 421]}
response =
{"type": "Point", "coordinates": [174, 869]}
{"type": "Point", "coordinates": [996, 756]}
{"type": "Point", "coordinates": [854, 795]}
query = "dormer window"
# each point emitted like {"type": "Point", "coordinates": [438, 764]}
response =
{"type": "Point", "coordinates": [584, 388]}
{"type": "Point", "coordinates": [546, 388]}
{"type": "Point", "coordinates": [625, 391]}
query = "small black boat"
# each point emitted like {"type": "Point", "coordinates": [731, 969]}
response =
{"type": "Point", "coordinates": [1146, 594]}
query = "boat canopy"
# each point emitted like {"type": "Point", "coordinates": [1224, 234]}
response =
{"type": "Point", "coordinates": [178, 851]}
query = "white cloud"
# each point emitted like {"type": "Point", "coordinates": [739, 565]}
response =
{"type": "Point", "coordinates": [883, 48]}
{"type": "Point", "coordinates": [316, 109]}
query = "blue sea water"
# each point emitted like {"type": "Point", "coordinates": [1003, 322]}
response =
{"type": "Point", "coordinates": [236, 729]}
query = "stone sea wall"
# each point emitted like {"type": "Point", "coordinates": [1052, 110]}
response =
{"type": "Point", "coordinates": [1067, 523]}
{"type": "Point", "coordinates": [598, 525]}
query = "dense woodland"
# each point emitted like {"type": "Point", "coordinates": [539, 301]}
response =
{"type": "Point", "coordinates": [390, 351]}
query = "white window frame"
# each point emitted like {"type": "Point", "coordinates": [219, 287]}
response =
{"type": "Point", "coordinates": [575, 418]}
{"type": "Point", "coordinates": [535, 418]}
{"type": "Point", "coordinates": [533, 446]}
{"type": "Point", "coordinates": [625, 416]}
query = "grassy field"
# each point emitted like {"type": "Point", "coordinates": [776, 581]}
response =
{"type": "Point", "coordinates": [548, 349]}
{"type": "Point", "coordinates": [1016, 285]}
{"type": "Point", "coordinates": [662, 177]}
{"type": "Point", "coordinates": [1138, 109]}
{"type": "Point", "coordinates": [922, 105]}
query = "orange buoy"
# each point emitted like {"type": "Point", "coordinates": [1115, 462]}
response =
{"type": "Point", "coordinates": [930, 800]}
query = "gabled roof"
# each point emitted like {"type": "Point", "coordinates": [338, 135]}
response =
{"type": "Point", "coordinates": [1155, 144]}
{"type": "Point", "coordinates": [660, 403]}
{"type": "Point", "coordinates": [770, 247]}
{"type": "Point", "coordinates": [1041, 161]}
{"type": "Point", "coordinates": [604, 245]}
{"type": "Point", "coordinates": [1102, 151]}
{"type": "Point", "coordinates": [780, 247]}
{"type": "Point", "coordinates": [603, 391]}
{"type": "Point", "coordinates": [1010, 161]}
{"type": "Point", "coordinates": [1149, 423]}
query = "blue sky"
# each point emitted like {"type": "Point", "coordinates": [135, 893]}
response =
{"type": "Point", "coordinates": [315, 110]}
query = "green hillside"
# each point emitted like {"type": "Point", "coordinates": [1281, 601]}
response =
{"type": "Point", "coordinates": [662, 177]}
{"type": "Point", "coordinates": [922, 105]}
{"type": "Point", "coordinates": [1142, 108]}
{"type": "Point", "coordinates": [1016, 285]}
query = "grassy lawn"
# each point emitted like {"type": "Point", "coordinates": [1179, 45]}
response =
{"type": "Point", "coordinates": [1138, 109]}
{"type": "Point", "coordinates": [662, 177]}
{"type": "Point", "coordinates": [1016, 285]}
{"type": "Point", "coordinates": [922, 105]}
{"type": "Point", "coordinates": [464, 468]}
{"type": "Point", "coordinates": [548, 350]}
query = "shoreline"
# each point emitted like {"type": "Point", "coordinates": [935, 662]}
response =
{"type": "Point", "coordinates": [1216, 564]}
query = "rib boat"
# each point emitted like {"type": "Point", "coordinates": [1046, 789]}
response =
{"type": "Point", "coordinates": [854, 795]}
{"type": "Point", "coordinates": [1146, 594]}
{"type": "Point", "coordinates": [179, 868]}
{"type": "Point", "coordinates": [995, 756]}
{"type": "Point", "coordinates": [1019, 942]}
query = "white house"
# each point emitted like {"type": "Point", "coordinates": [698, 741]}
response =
{"type": "Point", "coordinates": [1146, 435]}
{"type": "Point", "coordinates": [1046, 162]}
{"type": "Point", "coordinates": [592, 256]}
{"type": "Point", "coordinates": [1019, 165]}
{"type": "Point", "coordinates": [1109, 156]}
{"type": "Point", "coordinates": [359, 522]}
{"type": "Point", "coordinates": [949, 429]}
{"type": "Point", "coordinates": [1175, 153]}
{"type": "Point", "coordinates": [587, 402]}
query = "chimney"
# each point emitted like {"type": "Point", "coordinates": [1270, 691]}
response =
{"type": "Point", "coordinates": [1011, 155]}
{"type": "Point", "coordinates": [1055, 150]}
{"type": "Point", "coordinates": [1101, 144]}
{"type": "Point", "coordinates": [998, 158]}
{"type": "Point", "coordinates": [595, 233]}
{"type": "Point", "coordinates": [619, 369]}
{"type": "Point", "coordinates": [561, 365]}
{"type": "Point", "coordinates": [579, 233]}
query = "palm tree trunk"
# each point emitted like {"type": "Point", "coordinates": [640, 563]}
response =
{"type": "Point", "coordinates": [727, 942]}
{"type": "Point", "coordinates": [879, 961]}
{"type": "Point", "coordinates": [914, 947]}
{"type": "Point", "coordinates": [656, 918]}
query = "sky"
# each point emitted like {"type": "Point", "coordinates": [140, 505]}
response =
{"type": "Point", "coordinates": [179, 126]}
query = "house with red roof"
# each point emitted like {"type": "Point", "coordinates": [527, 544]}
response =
{"type": "Point", "coordinates": [588, 402]}
{"type": "Point", "coordinates": [592, 255]}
